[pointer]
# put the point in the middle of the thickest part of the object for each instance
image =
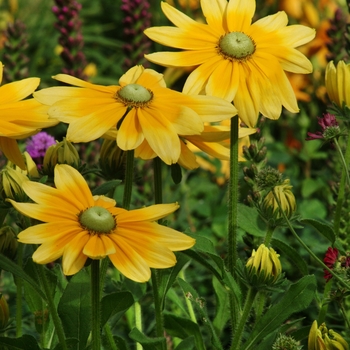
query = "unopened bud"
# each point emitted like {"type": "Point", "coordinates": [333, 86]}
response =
{"type": "Point", "coordinates": [8, 242]}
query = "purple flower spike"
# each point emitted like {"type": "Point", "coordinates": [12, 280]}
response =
{"type": "Point", "coordinates": [37, 146]}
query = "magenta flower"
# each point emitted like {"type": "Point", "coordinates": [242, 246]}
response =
{"type": "Point", "coordinates": [330, 259]}
{"type": "Point", "coordinates": [37, 146]}
{"type": "Point", "coordinates": [330, 128]}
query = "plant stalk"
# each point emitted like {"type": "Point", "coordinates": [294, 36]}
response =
{"type": "Point", "coordinates": [95, 306]}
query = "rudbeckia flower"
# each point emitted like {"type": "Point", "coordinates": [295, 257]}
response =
{"type": "Point", "coordinates": [20, 119]}
{"type": "Point", "coordinates": [78, 226]}
{"type": "Point", "coordinates": [141, 108]}
{"type": "Point", "coordinates": [236, 59]}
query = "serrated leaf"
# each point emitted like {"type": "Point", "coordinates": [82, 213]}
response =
{"type": "Point", "coordinates": [115, 304]}
{"type": "Point", "coordinates": [74, 308]}
{"type": "Point", "coordinates": [295, 299]}
{"type": "Point", "coordinates": [146, 342]}
{"type": "Point", "coordinates": [292, 255]}
{"type": "Point", "coordinates": [323, 228]}
{"type": "Point", "coordinates": [26, 342]}
{"type": "Point", "coordinates": [8, 265]}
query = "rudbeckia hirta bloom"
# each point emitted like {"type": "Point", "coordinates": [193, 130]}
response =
{"type": "Point", "coordinates": [235, 59]}
{"type": "Point", "coordinates": [337, 83]}
{"type": "Point", "coordinates": [141, 108]}
{"type": "Point", "coordinates": [77, 226]}
{"type": "Point", "coordinates": [20, 119]}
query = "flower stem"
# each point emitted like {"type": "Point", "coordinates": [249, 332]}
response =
{"type": "Point", "coordinates": [138, 321]}
{"type": "Point", "coordinates": [129, 175]}
{"type": "Point", "coordinates": [323, 310]}
{"type": "Point", "coordinates": [52, 307]}
{"type": "Point", "coordinates": [307, 248]}
{"type": "Point", "coordinates": [232, 214]}
{"type": "Point", "coordinates": [341, 191]}
{"type": "Point", "coordinates": [158, 199]}
{"type": "Point", "coordinates": [188, 302]}
{"type": "Point", "coordinates": [19, 293]}
{"type": "Point", "coordinates": [95, 305]}
{"type": "Point", "coordinates": [269, 233]}
{"type": "Point", "coordinates": [109, 336]}
{"type": "Point", "coordinates": [237, 338]}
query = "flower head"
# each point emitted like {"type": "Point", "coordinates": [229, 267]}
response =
{"type": "Point", "coordinates": [236, 60]}
{"type": "Point", "coordinates": [141, 108]}
{"type": "Point", "coordinates": [337, 80]}
{"type": "Point", "coordinates": [330, 128]}
{"type": "Point", "coordinates": [20, 119]}
{"type": "Point", "coordinates": [320, 338]}
{"type": "Point", "coordinates": [78, 226]}
{"type": "Point", "coordinates": [38, 144]}
{"type": "Point", "coordinates": [265, 263]}
{"type": "Point", "coordinates": [330, 259]}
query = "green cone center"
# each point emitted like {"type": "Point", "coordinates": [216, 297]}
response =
{"type": "Point", "coordinates": [237, 45]}
{"type": "Point", "coordinates": [97, 219]}
{"type": "Point", "coordinates": [135, 93]}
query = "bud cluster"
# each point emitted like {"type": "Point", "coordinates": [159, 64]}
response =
{"type": "Point", "coordinates": [14, 58]}
{"type": "Point", "coordinates": [137, 18]}
{"type": "Point", "coordinates": [71, 39]}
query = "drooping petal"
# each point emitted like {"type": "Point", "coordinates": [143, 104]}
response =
{"type": "Point", "coordinates": [12, 152]}
{"type": "Point", "coordinates": [131, 76]}
{"type": "Point", "coordinates": [99, 246]}
{"type": "Point", "coordinates": [18, 90]}
{"type": "Point", "coordinates": [153, 213]}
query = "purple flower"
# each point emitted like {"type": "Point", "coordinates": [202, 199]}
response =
{"type": "Point", "coordinates": [37, 146]}
{"type": "Point", "coordinates": [330, 128]}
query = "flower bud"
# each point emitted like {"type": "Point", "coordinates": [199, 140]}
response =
{"type": "Point", "coordinates": [8, 242]}
{"type": "Point", "coordinates": [11, 184]}
{"type": "Point", "coordinates": [320, 338]}
{"type": "Point", "coordinates": [61, 153]}
{"type": "Point", "coordinates": [112, 160]}
{"type": "Point", "coordinates": [286, 198]}
{"type": "Point", "coordinates": [4, 312]}
{"type": "Point", "coordinates": [265, 264]}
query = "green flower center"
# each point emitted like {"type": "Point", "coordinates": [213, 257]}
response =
{"type": "Point", "coordinates": [134, 95]}
{"type": "Point", "coordinates": [236, 46]}
{"type": "Point", "coordinates": [97, 220]}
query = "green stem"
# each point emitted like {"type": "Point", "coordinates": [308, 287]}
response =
{"type": "Point", "coordinates": [157, 304]}
{"type": "Point", "coordinates": [324, 308]}
{"type": "Point", "coordinates": [158, 190]}
{"type": "Point", "coordinates": [188, 302]}
{"type": "Point", "coordinates": [269, 233]}
{"type": "Point", "coordinates": [260, 306]}
{"type": "Point", "coordinates": [129, 177]}
{"type": "Point", "coordinates": [237, 338]}
{"type": "Point", "coordinates": [233, 214]}
{"type": "Point", "coordinates": [344, 315]}
{"type": "Point", "coordinates": [341, 191]}
{"type": "Point", "coordinates": [138, 321]}
{"type": "Point", "coordinates": [19, 286]}
{"type": "Point", "coordinates": [95, 306]}
{"type": "Point", "coordinates": [307, 248]}
{"type": "Point", "coordinates": [52, 307]}
{"type": "Point", "coordinates": [109, 336]}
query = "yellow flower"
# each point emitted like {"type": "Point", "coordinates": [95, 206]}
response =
{"type": "Point", "coordinates": [236, 60]}
{"type": "Point", "coordinates": [141, 108]}
{"type": "Point", "coordinates": [337, 82]}
{"type": "Point", "coordinates": [78, 225]}
{"type": "Point", "coordinates": [265, 262]}
{"type": "Point", "coordinates": [320, 338]}
{"type": "Point", "coordinates": [20, 119]}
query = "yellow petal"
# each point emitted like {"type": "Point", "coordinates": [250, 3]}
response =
{"type": "Point", "coordinates": [213, 11]}
{"type": "Point", "coordinates": [239, 15]}
{"type": "Point", "coordinates": [151, 79]}
{"type": "Point", "coordinates": [18, 90]}
{"type": "Point", "coordinates": [131, 76]}
{"type": "Point", "coordinates": [99, 246]}
{"type": "Point", "coordinates": [11, 151]}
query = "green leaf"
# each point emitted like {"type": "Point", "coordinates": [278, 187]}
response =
{"type": "Point", "coordinates": [187, 344]}
{"type": "Point", "coordinates": [146, 342]}
{"type": "Point", "coordinates": [249, 220]}
{"type": "Point", "coordinates": [176, 174]}
{"type": "Point", "coordinates": [115, 304]}
{"type": "Point", "coordinates": [74, 308]}
{"type": "Point", "coordinates": [292, 255]}
{"type": "Point", "coordinates": [309, 186]}
{"type": "Point", "coordinates": [26, 342]}
{"type": "Point", "coordinates": [119, 342]}
{"type": "Point", "coordinates": [183, 328]}
{"type": "Point", "coordinates": [295, 299]}
{"type": "Point", "coordinates": [8, 265]}
{"type": "Point", "coordinates": [222, 307]}
{"type": "Point", "coordinates": [106, 187]}
{"type": "Point", "coordinates": [323, 228]}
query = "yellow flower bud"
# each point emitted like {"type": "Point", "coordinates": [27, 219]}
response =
{"type": "Point", "coordinates": [112, 160]}
{"type": "Point", "coordinates": [320, 338]}
{"type": "Point", "coordinates": [337, 81]}
{"type": "Point", "coordinates": [62, 153]}
{"type": "Point", "coordinates": [4, 312]}
{"type": "Point", "coordinates": [286, 198]}
{"type": "Point", "coordinates": [265, 264]}
{"type": "Point", "coordinates": [11, 184]}
{"type": "Point", "coordinates": [8, 242]}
